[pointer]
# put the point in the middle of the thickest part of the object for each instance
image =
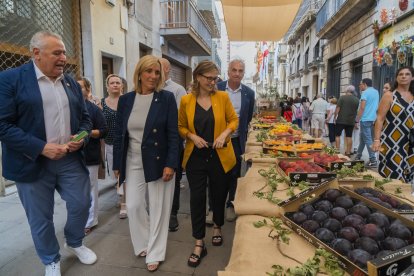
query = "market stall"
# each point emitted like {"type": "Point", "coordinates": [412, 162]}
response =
{"type": "Point", "coordinates": [272, 190]}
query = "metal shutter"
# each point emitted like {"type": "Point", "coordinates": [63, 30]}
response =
{"type": "Point", "coordinates": [177, 74]}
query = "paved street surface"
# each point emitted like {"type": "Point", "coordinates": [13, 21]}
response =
{"type": "Point", "coordinates": [110, 240]}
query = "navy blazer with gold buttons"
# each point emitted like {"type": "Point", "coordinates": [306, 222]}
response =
{"type": "Point", "coordinates": [22, 122]}
{"type": "Point", "coordinates": [159, 146]}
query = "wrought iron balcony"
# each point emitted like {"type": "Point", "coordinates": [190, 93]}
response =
{"type": "Point", "coordinates": [337, 15]}
{"type": "Point", "coordinates": [183, 26]}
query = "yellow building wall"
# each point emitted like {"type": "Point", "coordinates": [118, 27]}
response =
{"type": "Point", "coordinates": [108, 39]}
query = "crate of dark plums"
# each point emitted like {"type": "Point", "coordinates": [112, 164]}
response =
{"type": "Point", "coordinates": [366, 237]}
{"type": "Point", "coordinates": [303, 170]}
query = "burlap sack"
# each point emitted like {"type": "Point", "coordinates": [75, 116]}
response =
{"type": "Point", "coordinates": [255, 149]}
{"type": "Point", "coordinates": [254, 252]}
{"type": "Point", "coordinates": [245, 203]}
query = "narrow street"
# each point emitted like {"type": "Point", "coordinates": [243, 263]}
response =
{"type": "Point", "coordinates": [110, 240]}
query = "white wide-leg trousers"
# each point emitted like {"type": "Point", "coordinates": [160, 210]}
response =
{"type": "Point", "coordinates": [149, 231]}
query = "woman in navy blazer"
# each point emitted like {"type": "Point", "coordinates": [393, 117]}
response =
{"type": "Point", "coordinates": [145, 156]}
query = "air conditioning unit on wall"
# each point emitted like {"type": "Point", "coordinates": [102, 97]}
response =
{"type": "Point", "coordinates": [111, 2]}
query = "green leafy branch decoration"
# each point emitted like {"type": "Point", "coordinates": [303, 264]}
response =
{"type": "Point", "coordinates": [313, 266]}
{"type": "Point", "coordinates": [323, 262]}
{"type": "Point", "coordinates": [272, 182]}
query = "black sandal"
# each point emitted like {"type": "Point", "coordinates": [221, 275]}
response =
{"type": "Point", "coordinates": [196, 257]}
{"type": "Point", "coordinates": [217, 240]}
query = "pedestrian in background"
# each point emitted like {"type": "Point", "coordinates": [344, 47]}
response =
{"type": "Point", "coordinates": [387, 87]}
{"type": "Point", "coordinates": [306, 114]}
{"type": "Point", "coordinates": [146, 156]}
{"type": "Point", "coordinates": [206, 120]}
{"type": "Point", "coordinates": [92, 151]}
{"type": "Point", "coordinates": [393, 127]}
{"type": "Point", "coordinates": [287, 113]}
{"type": "Point", "coordinates": [318, 108]}
{"type": "Point", "coordinates": [298, 111]}
{"type": "Point", "coordinates": [178, 92]}
{"type": "Point", "coordinates": [330, 120]}
{"type": "Point", "coordinates": [242, 99]}
{"type": "Point", "coordinates": [345, 114]}
{"type": "Point", "coordinates": [356, 131]}
{"type": "Point", "coordinates": [41, 109]}
{"type": "Point", "coordinates": [114, 87]}
{"type": "Point", "coordinates": [366, 116]}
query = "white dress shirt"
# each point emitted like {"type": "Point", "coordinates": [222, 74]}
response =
{"type": "Point", "coordinates": [56, 110]}
{"type": "Point", "coordinates": [235, 98]}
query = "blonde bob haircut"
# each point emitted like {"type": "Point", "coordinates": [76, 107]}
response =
{"type": "Point", "coordinates": [144, 64]}
{"type": "Point", "coordinates": [203, 67]}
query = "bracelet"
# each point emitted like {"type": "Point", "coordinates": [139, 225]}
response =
{"type": "Point", "coordinates": [376, 140]}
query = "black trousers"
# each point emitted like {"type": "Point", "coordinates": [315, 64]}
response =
{"type": "Point", "coordinates": [177, 188]}
{"type": "Point", "coordinates": [331, 129]}
{"type": "Point", "coordinates": [235, 172]}
{"type": "Point", "coordinates": [204, 166]}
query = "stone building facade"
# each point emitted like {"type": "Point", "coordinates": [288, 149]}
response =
{"type": "Point", "coordinates": [303, 55]}
{"type": "Point", "coordinates": [346, 27]}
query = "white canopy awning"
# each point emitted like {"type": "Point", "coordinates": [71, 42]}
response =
{"type": "Point", "coordinates": [257, 20]}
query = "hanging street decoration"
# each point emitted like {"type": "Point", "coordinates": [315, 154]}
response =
{"type": "Point", "coordinates": [401, 49]}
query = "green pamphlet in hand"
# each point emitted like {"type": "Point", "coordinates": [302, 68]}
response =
{"type": "Point", "coordinates": [79, 136]}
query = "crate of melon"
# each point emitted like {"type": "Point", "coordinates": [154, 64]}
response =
{"type": "Point", "coordinates": [334, 162]}
{"type": "Point", "coordinates": [303, 170]}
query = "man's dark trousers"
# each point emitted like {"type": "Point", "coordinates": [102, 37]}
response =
{"type": "Point", "coordinates": [235, 172]}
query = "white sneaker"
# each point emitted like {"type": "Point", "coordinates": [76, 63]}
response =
{"type": "Point", "coordinates": [84, 254]}
{"type": "Point", "coordinates": [53, 269]}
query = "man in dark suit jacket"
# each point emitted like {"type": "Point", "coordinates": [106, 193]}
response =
{"type": "Point", "coordinates": [41, 109]}
{"type": "Point", "coordinates": [242, 98]}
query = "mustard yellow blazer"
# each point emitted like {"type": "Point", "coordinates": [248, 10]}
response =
{"type": "Point", "coordinates": [224, 117]}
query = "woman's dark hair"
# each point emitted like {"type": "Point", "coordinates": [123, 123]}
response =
{"type": "Point", "coordinates": [411, 89]}
{"type": "Point", "coordinates": [398, 71]}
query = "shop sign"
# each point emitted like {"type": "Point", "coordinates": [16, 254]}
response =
{"type": "Point", "coordinates": [397, 32]}
{"type": "Point", "coordinates": [395, 42]}
{"type": "Point", "coordinates": [388, 11]}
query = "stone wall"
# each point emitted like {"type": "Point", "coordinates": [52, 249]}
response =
{"type": "Point", "coordinates": [356, 42]}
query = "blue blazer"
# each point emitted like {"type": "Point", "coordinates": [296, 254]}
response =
{"type": "Point", "coordinates": [160, 139]}
{"type": "Point", "coordinates": [246, 111]}
{"type": "Point", "coordinates": [22, 124]}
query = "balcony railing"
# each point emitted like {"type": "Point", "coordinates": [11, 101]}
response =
{"type": "Point", "coordinates": [329, 9]}
{"type": "Point", "coordinates": [335, 16]}
{"type": "Point", "coordinates": [183, 14]}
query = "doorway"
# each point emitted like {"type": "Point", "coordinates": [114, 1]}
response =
{"type": "Point", "coordinates": [357, 75]}
{"type": "Point", "coordinates": [107, 69]}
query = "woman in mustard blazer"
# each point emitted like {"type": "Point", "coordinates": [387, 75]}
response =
{"type": "Point", "coordinates": [206, 120]}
